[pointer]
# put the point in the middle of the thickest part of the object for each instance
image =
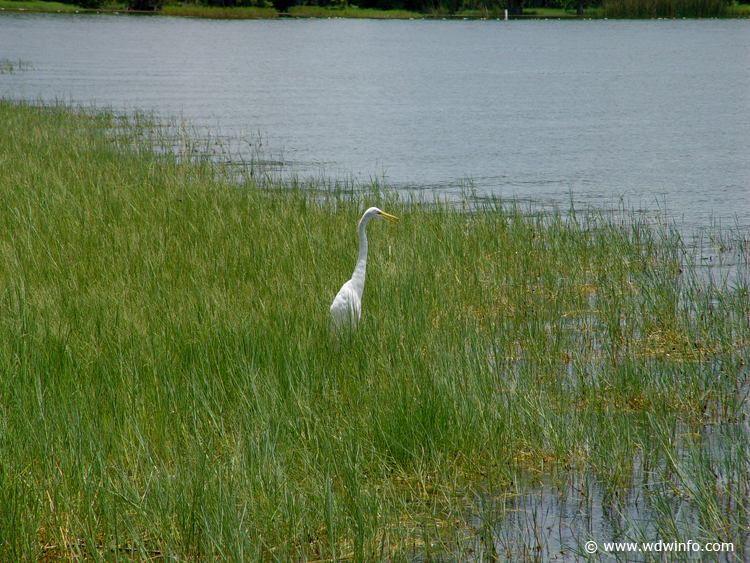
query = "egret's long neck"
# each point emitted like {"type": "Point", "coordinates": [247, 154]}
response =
{"type": "Point", "coordinates": [358, 277]}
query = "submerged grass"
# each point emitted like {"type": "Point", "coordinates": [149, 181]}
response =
{"type": "Point", "coordinates": [10, 67]}
{"type": "Point", "coordinates": [168, 390]}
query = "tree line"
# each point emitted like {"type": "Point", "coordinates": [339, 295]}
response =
{"type": "Point", "coordinates": [611, 8]}
{"type": "Point", "coordinates": [420, 6]}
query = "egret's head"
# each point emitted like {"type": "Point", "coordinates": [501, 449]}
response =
{"type": "Point", "coordinates": [375, 213]}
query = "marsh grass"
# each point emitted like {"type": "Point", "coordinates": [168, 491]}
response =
{"type": "Point", "coordinates": [237, 12]}
{"type": "Point", "coordinates": [349, 12]}
{"type": "Point", "coordinates": [528, 13]}
{"type": "Point", "coordinates": [640, 9]}
{"type": "Point", "coordinates": [630, 9]}
{"type": "Point", "coordinates": [737, 11]}
{"type": "Point", "coordinates": [38, 6]}
{"type": "Point", "coordinates": [168, 390]}
{"type": "Point", "coordinates": [6, 65]}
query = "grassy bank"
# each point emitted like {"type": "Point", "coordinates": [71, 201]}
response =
{"type": "Point", "coordinates": [197, 11]}
{"type": "Point", "coordinates": [38, 6]}
{"type": "Point", "coordinates": [350, 12]}
{"type": "Point", "coordinates": [625, 9]}
{"type": "Point", "coordinates": [646, 9]}
{"type": "Point", "coordinates": [293, 11]}
{"type": "Point", "coordinates": [168, 390]}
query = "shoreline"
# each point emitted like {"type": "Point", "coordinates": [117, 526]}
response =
{"type": "Point", "coordinates": [313, 12]}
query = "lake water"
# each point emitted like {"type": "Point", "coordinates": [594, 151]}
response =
{"type": "Point", "coordinates": [656, 113]}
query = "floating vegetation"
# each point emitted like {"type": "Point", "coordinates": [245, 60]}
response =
{"type": "Point", "coordinates": [10, 67]}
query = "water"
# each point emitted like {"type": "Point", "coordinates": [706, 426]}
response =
{"type": "Point", "coordinates": [575, 517]}
{"type": "Point", "coordinates": [654, 113]}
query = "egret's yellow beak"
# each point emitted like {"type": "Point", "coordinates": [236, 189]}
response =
{"type": "Point", "coordinates": [385, 215]}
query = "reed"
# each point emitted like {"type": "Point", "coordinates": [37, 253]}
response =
{"type": "Point", "coordinates": [168, 389]}
{"type": "Point", "coordinates": [645, 9]}
{"type": "Point", "coordinates": [198, 11]}
{"type": "Point", "coordinates": [10, 67]}
{"type": "Point", "coordinates": [349, 12]}
{"type": "Point", "coordinates": [737, 11]}
{"type": "Point", "coordinates": [38, 6]}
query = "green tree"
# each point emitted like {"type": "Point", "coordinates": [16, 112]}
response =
{"type": "Point", "coordinates": [514, 7]}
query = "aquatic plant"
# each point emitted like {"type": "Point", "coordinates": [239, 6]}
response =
{"type": "Point", "coordinates": [168, 388]}
{"type": "Point", "coordinates": [216, 12]}
{"type": "Point", "coordinates": [639, 9]}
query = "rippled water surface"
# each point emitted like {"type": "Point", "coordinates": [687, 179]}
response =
{"type": "Point", "coordinates": [654, 112]}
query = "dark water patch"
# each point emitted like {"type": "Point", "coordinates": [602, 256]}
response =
{"type": "Point", "coordinates": [692, 505]}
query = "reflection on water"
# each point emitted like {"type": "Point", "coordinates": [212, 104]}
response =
{"type": "Point", "coordinates": [654, 112]}
{"type": "Point", "coordinates": [699, 497]}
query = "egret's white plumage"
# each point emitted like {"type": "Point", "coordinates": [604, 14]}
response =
{"type": "Point", "coordinates": [347, 306]}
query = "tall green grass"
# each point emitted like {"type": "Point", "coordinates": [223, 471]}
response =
{"type": "Point", "coordinates": [237, 12]}
{"type": "Point", "coordinates": [349, 12]}
{"type": "Point", "coordinates": [168, 389]}
{"type": "Point", "coordinates": [640, 9]}
{"type": "Point", "coordinates": [38, 6]}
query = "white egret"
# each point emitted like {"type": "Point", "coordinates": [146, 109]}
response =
{"type": "Point", "coordinates": [347, 306]}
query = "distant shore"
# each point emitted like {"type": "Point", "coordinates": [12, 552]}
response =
{"type": "Point", "coordinates": [197, 11]}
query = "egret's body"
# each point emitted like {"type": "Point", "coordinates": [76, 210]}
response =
{"type": "Point", "coordinates": [347, 306]}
